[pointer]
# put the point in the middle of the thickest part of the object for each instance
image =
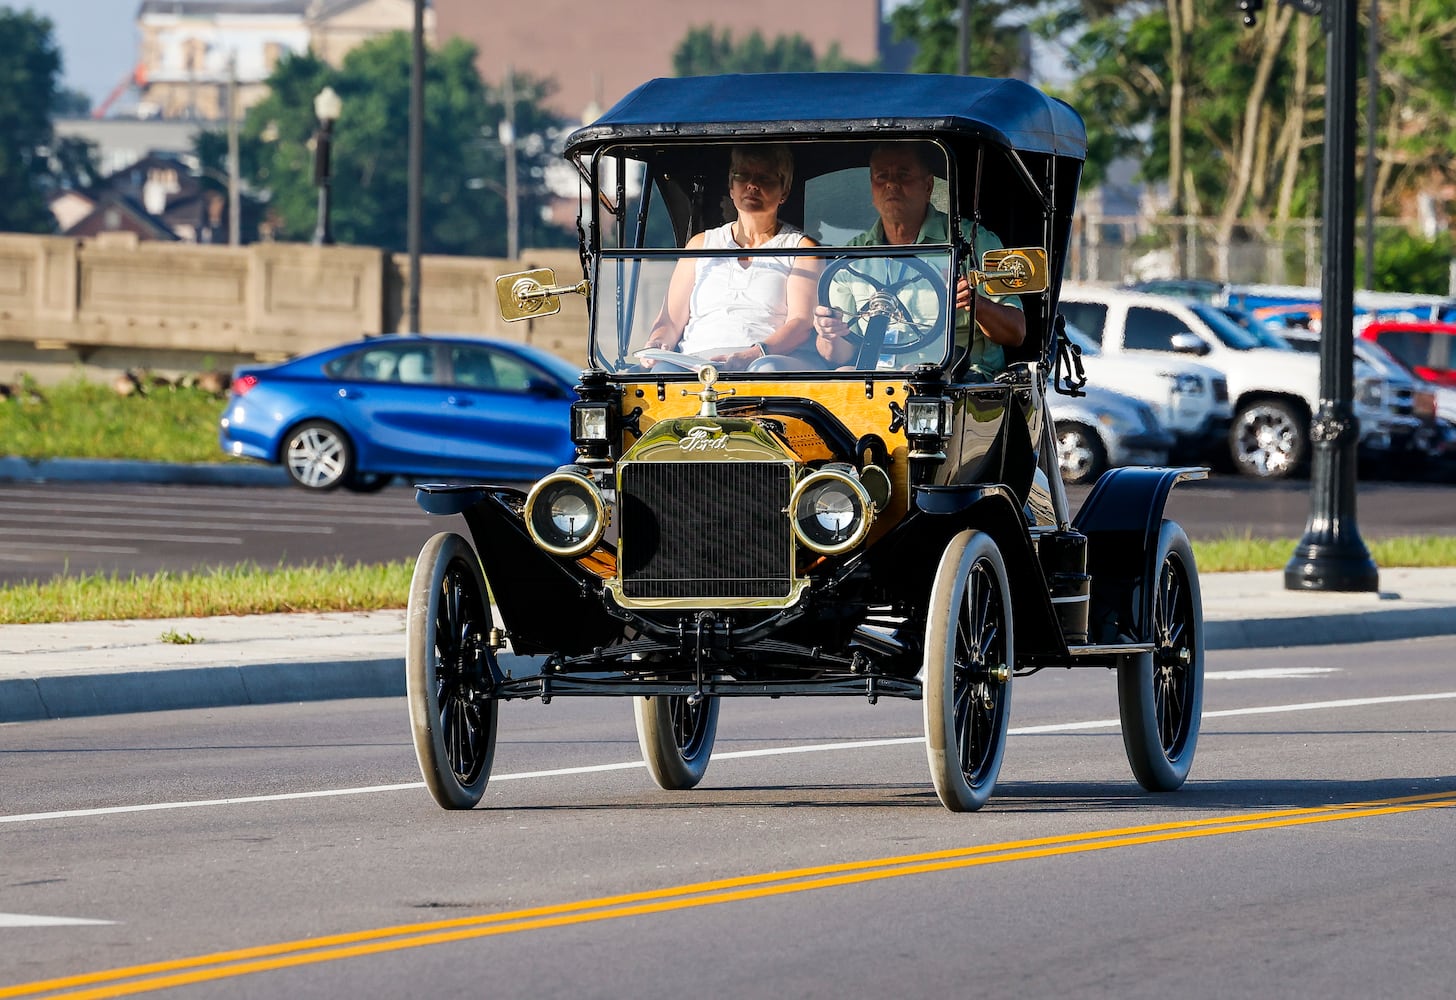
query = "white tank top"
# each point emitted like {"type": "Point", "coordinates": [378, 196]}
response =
{"type": "Point", "coordinates": [734, 305]}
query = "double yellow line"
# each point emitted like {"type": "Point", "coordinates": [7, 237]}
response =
{"type": "Point", "coordinates": [289, 954]}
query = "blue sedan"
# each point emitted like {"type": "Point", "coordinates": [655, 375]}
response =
{"type": "Point", "coordinates": [358, 414]}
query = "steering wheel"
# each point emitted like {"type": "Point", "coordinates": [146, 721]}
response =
{"type": "Point", "coordinates": [885, 308]}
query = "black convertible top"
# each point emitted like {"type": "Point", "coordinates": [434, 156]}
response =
{"type": "Point", "coordinates": [797, 105]}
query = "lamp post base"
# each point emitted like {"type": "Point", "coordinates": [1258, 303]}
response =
{"type": "Point", "coordinates": [1343, 566]}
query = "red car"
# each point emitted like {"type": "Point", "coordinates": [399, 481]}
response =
{"type": "Point", "coordinates": [1428, 349]}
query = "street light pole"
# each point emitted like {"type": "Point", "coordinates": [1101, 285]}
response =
{"type": "Point", "coordinates": [1332, 555]}
{"type": "Point", "coordinates": [326, 107]}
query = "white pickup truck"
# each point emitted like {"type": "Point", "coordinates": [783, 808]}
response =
{"type": "Point", "coordinates": [1274, 393]}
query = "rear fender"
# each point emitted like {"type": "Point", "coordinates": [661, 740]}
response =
{"type": "Point", "coordinates": [534, 591]}
{"type": "Point", "coordinates": [1122, 518]}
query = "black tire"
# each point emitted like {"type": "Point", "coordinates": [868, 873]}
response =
{"type": "Point", "coordinates": [1080, 454]}
{"type": "Point", "coordinates": [448, 672]}
{"type": "Point", "coordinates": [1160, 694]}
{"type": "Point", "coordinates": [676, 738]}
{"type": "Point", "coordinates": [318, 456]}
{"type": "Point", "coordinates": [969, 658]}
{"type": "Point", "coordinates": [1269, 439]}
{"type": "Point", "coordinates": [368, 482]}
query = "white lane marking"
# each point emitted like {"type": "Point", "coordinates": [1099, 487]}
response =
{"type": "Point", "coordinates": [1268, 673]}
{"type": "Point", "coordinates": [49, 546]}
{"type": "Point", "coordinates": [26, 920]}
{"type": "Point", "coordinates": [1061, 727]}
{"type": "Point", "coordinates": [139, 536]}
{"type": "Point", "coordinates": [181, 520]}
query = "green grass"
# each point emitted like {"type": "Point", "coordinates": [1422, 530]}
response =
{"type": "Point", "coordinates": [80, 419]}
{"type": "Point", "coordinates": [251, 590]}
{"type": "Point", "coordinates": [232, 590]}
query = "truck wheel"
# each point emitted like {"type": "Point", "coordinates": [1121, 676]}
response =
{"type": "Point", "coordinates": [676, 738]}
{"type": "Point", "coordinates": [969, 657]}
{"type": "Point", "coordinates": [448, 676]}
{"type": "Point", "coordinates": [1160, 694]}
{"type": "Point", "coordinates": [1269, 439]}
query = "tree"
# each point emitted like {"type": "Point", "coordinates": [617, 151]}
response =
{"type": "Point", "coordinates": [463, 211]}
{"type": "Point", "coordinates": [996, 47]}
{"type": "Point", "coordinates": [29, 66]}
{"type": "Point", "coordinates": [704, 51]}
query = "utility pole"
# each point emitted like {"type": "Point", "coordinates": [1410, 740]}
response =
{"type": "Point", "coordinates": [965, 37]}
{"type": "Point", "coordinates": [508, 145]}
{"type": "Point", "coordinates": [416, 159]}
{"type": "Point", "coordinates": [235, 214]}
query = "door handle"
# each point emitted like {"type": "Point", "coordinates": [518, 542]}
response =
{"type": "Point", "coordinates": [347, 393]}
{"type": "Point", "coordinates": [459, 401]}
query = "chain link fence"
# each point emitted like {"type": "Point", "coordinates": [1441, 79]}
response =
{"type": "Point", "coordinates": [1119, 249]}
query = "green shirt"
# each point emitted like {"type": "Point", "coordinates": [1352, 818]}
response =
{"type": "Point", "coordinates": [986, 355]}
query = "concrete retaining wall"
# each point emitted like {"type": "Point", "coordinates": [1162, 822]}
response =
{"type": "Point", "coordinates": [111, 303]}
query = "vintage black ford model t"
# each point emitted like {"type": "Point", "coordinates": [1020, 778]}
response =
{"type": "Point", "coordinates": [888, 522]}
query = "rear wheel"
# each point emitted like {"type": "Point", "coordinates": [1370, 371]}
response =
{"type": "Point", "coordinates": [1269, 439]}
{"type": "Point", "coordinates": [969, 657]}
{"type": "Point", "coordinates": [1160, 694]}
{"type": "Point", "coordinates": [318, 456]}
{"type": "Point", "coordinates": [448, 675]}
{"type": "Point", "coordinates": [676, 737]}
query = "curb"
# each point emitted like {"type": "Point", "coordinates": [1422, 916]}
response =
{"type": "Point", "coordinates": [30, 699]}
{"type": "Point", "coordinates": [72, 470]}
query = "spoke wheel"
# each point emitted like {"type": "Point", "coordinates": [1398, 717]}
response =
{"type": "Point", "coordinates": [1080, 454]}
{"type": "Point", "coordinates": [448, 673]}
{"type": "Point", "coordinates": [1268, 440]}
{"type": "Point", "coordinates": [318, 456]}
{"type": "Point", "coordinates": [1160, 695]}
{"type": "Point", "coordinates": [969, 657]}
{"type": "Point", "coordinates": [676, 738]}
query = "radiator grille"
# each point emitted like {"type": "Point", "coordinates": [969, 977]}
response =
{"type": "Point", "coordinates": [705, 530]}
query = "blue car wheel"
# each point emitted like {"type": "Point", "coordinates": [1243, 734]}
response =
{"type": "Point", "coordinates": [318, 456]}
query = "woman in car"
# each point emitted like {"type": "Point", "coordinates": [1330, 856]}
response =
{"type": "Point", "coordinates": [742, 311]}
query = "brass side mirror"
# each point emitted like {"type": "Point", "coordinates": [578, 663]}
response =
{"type": "Point", "coordinates": [1012, 272]}
{"type": "Point", "coordinates": [529, 294]}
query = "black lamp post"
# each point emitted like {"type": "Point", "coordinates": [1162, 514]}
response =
{"type": "Point", "coordinates": [1331, 555]}
{"type": "Point", "coordinates": [326, 108]}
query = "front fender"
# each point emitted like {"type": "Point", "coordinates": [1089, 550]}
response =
{"type": "Point", "coordinates": [535, 592]}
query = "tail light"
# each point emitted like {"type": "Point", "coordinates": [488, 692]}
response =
{"type": "Point", "coordinates": [243, 383]}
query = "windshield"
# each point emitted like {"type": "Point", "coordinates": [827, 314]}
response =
{"type": "Point", "coordinates": [753, 311]}
{"type": "Point", "coordinates": [1230, 333]}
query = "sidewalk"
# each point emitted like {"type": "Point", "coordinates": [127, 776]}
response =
{"type": "Point", "coordinates": [94, 668]}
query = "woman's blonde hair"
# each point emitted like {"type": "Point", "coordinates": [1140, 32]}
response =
{"type": "Point", "coordinates": [775, 154]}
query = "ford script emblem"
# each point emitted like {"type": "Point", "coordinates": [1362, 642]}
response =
{"type": "Point", "coordinates": [704, 439]}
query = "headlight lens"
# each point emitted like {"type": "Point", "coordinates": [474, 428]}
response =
{"type": "Point", "coordinates": [1186, 383]}
{"type": "Point", "coordinates": [565, 514]}
{"type": "Point", "coordinates": [831, 512]}
{"type": "Point", "coordinates": [926, 415]}
{"type": "Point", "coordinates": [1370, 391]}
{"type": "Point", "coordinates": [588, 422]}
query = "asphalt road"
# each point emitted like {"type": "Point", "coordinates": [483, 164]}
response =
{"type": "Point", "coordinates": [301, 832]}
{"type": "Point", "coordinates": [50, 529]}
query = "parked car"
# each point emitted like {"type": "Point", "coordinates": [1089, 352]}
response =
{"type": "Point", "coordinates": [887, 524]}
{"type": "Point", "coordinates": [1427, 349]}
{"type": "Point", "coordinates": [360, 413]}
{"type": "Point", "coordinates": [1190, 400]}
{"type": "Point", "coordinates": [1274, 392]}
{"type": "Point", "coordinates": [1105, 429]}
{"type": "Point", "coordinates": [1411, 453]}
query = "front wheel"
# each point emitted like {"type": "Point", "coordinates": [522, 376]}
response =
{"type": "Point", "coordinates": [1160, 694]}
{"type": "Point", "coordinates": [1080, 454]}
{"type": "Point", "coordinates": [448, 674]}
{"type": "Point", "coordinates": [969, 657]}
{"type": "Point", "coordinates": [676, 736]}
